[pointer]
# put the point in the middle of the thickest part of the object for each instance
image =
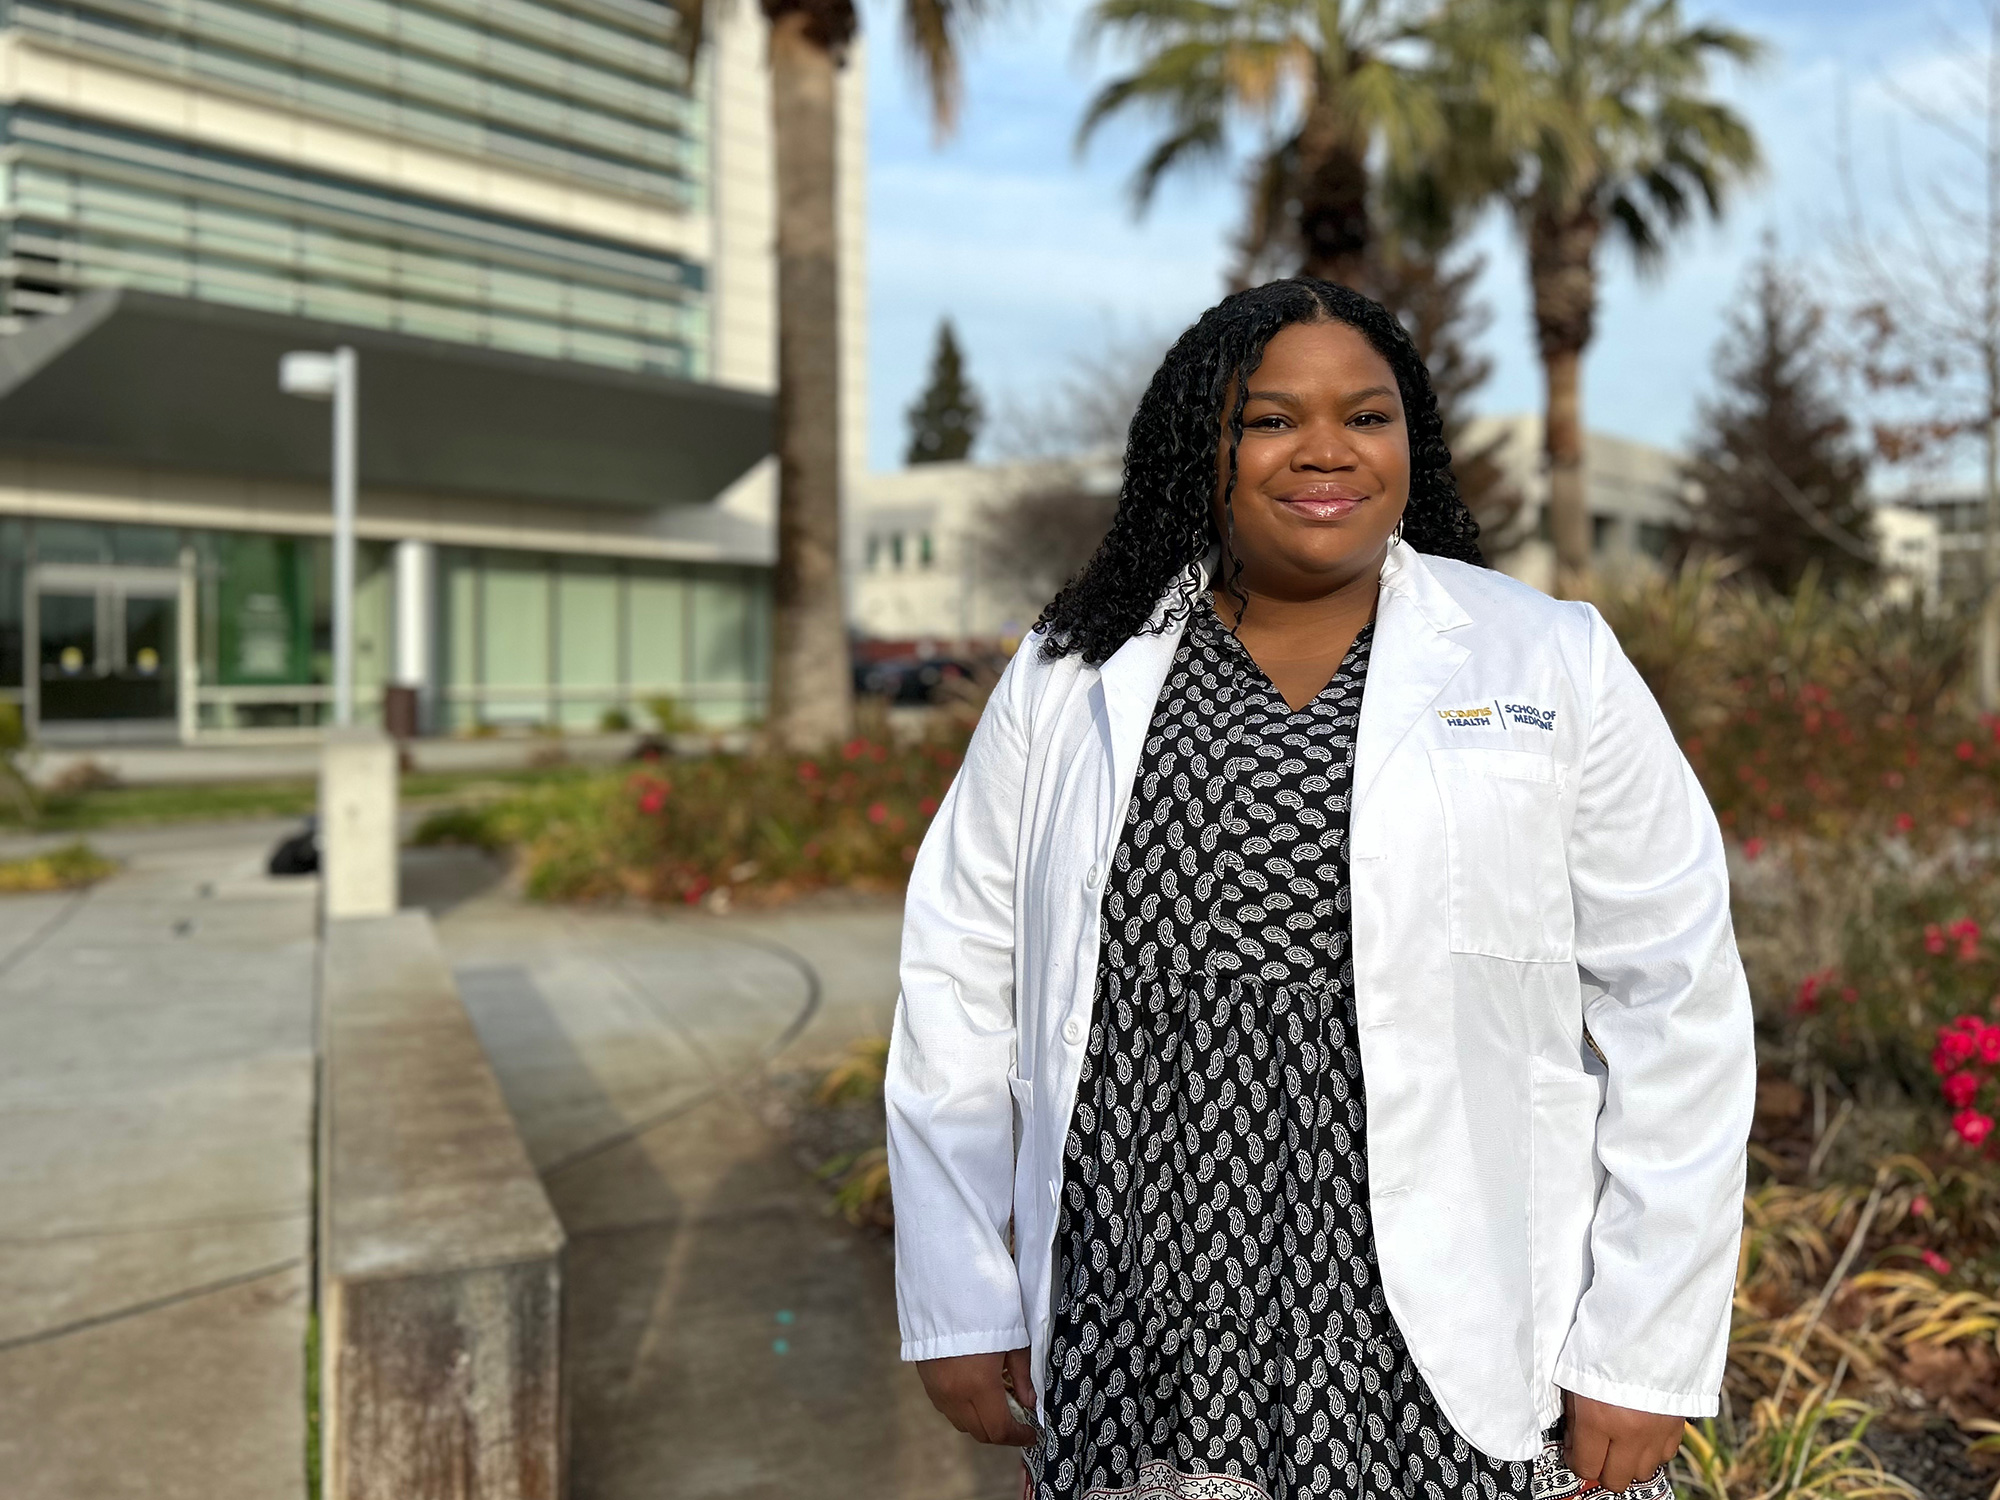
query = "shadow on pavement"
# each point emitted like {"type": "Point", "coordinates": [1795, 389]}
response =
{"type": "Point", "coordinates": [727, 1335]}
{"type": "Point", "coordinates": [446, 876]}
{"type": "Point", "coordinates": [744, 1345]}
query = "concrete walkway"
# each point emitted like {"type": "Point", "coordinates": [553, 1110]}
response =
{"type": "Point", "coordinates": [156, 1081]}
{"type": "Point", "coordinates": [728, 1336]}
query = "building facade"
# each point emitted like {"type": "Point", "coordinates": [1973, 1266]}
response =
{"type": "Point", "coordinates": [923, 575]}
{"type": "Point", "coordinates": [921, 568]}
{"type": "Point", "coordinates": [549, 241]}
{"type": "Point", "coordinates": [919, 561]}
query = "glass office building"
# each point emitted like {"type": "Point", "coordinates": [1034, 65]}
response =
{"type": "Point", "coordinates": [510, 208]}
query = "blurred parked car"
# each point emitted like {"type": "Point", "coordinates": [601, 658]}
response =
{"type": "Point", "coordinates": [909, 680]}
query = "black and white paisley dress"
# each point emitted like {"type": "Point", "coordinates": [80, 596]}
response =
{"type": "Point", "coordinates": [1220, 1330]}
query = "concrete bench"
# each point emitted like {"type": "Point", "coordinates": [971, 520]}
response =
{"type": "Point", "coordinates": [439, 1256]}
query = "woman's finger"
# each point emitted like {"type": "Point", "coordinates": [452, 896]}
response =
{"type": "Point", "coordinates": [1626, 1463]}
{"type": "Point", "coordinates": [996, 1423]}
{"type": "Point", "coordinates": [1019, 1372]}
{"type": "Point", "coordinates": [1587, 1447]}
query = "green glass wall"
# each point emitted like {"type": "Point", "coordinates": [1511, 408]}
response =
{"type": "Point", "coordinates": [535, 641]}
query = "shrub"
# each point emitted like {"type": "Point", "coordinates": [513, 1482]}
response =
{"type": "Point", "coordinates": [679, 830]}
{"type": "Point", "coordinates": [1827, 713]}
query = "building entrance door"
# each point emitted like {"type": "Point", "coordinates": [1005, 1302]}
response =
{"type": "Point", "coordinates": [105, 647]}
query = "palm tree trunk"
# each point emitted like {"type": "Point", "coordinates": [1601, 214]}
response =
{"type": "Point", "coordinates": [1333, 201]}
{"type": "Point", "coordinates": [812, 694]}
{"type": "Point", "coordinates": [1562, 250]}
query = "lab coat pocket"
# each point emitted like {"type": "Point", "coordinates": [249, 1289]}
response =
{"type": "Point", "coordinates": [1508, 877]}
{"type": "Point", "coordinates": [1564, 1184]}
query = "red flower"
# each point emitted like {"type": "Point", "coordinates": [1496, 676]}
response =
{"type": "Point", "coordinates": [928, 806]}
{"type": "Point", "coordinates": [1937, 1263]}
{"type": "Point", "coordinates": [1920, 1207]}
{"type": "Point", "coordinates": [1752, 848]}
{"type": "Point", "coordinates": [1989, 1046]}
{"type": "Point", "coordinates": [1850, 994]}
{"type": "Point", "coordinates": [653, 799]}
{"type": "Point", "coordinates": [1956, 1046]}
{"type": "Point", "coordinates": [808, 770]}
{"type": "Point", "coordinates": [1807, 999]}
{"type": "Point", "coordinates": [1961, 1089]}
{"type": "Point", "coordinates": [1972, 1126]}
{"type": "Point", "coordinates": [1905, 823]}
{"type": "Point", "coordinates": [1965, 749]}
{"type": "Point", "coordinates": [1933, 937]}
{"type": "Point", "coordinates": [878, 812]}
{"type": "Point", "coordinates": [854, 749]}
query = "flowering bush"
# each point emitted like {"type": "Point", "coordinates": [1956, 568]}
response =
{"type": "Point", "coordinates": [681, 830]}
{"type": "Point", "coordinates": [1824, 714]}
{"type": "Point", "coordinates": [1967, 1051]}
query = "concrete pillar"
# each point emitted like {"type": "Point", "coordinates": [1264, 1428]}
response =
{"type": "Point", "coordinates": [357, 824]}
{"type": "Point", "coordinates": [415, 572]}
{"type": "Point", "coordinates": [187, 649]}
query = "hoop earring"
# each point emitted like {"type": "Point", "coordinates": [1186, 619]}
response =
{"type": "Point", "coordinates": [1396, 535]}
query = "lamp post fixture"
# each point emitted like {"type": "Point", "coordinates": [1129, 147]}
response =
{"type": "Point", "coordinates": [321, 376]}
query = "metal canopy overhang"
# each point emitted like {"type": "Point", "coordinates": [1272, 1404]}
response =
{"type": "Point", "coordinates": [135, 378]}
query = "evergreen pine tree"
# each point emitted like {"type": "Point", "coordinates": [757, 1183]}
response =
{"type": "Point", "coordinates": [1782, 481]}
{"type": "Point", "coordinates": [945, 419]}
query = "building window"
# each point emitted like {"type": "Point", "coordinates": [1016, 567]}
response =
{"type": "Point", "coordinates": [926, 555]}
{"type": "Point", "coordinates": [874, 553]}
{"type": "Point", "coordinates": [583, 638]}
{"type": "Point", "coordinates": [98, 206]}
{"type": "Point", "coordinates": [1654, 538]}
{"type": "Point", "coordinates": [896, 550]}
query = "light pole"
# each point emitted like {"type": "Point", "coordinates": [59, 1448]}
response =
{"type": "Point", "coordinates": [320, 376]}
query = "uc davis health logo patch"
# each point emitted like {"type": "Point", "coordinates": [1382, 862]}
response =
{"type": "Point", "coordinates": [1480, 717]}
{"type": "Point", "coordinates": [1500, 715]}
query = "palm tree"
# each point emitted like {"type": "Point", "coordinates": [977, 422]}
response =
{"type": "Point", "coordinates": [1322, 77]}
{"type": "Point", "coordinates": [812, 701]}
{"type": "Point", "coordinates": [1588, 117]}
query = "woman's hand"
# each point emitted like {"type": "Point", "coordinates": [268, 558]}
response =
{"type": "Point", "coordinates": [971, 1389]}
{"type": "Point", "coordinates": [1613, 1445]}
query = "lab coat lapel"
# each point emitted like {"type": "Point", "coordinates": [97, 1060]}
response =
{"type": "Point", "coordinates": [1132, 676]}
{"type": "Point", "coordinates": [1411, 662]}
{"type": "Point", "coordinates": [1130, 681]}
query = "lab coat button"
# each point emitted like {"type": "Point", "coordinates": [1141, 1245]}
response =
{"type": "Point", "coordinates": [1096, 874]}
{"type": "Point", "coordinates": [1072, 1031]}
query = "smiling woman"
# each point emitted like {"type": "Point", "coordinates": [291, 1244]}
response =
{"type": "Point", "coordinates": [1323, 1066]}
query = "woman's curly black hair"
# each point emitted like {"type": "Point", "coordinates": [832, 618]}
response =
{"type": "Point", "coordinates": [1164, 523]}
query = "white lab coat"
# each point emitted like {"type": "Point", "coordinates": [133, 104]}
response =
{"type": "Point", "coordinates": [1530, 854]}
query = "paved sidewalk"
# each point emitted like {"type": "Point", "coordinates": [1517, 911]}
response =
{"type": "Point", "coordinates": [155, 1131]}
{"type": "Point", "coordinates": [728, 1336]}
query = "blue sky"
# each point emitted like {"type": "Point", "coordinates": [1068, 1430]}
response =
{"type": "Point", "coordinates": [1034, 252]}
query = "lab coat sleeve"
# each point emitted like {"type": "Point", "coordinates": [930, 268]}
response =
{"type": "Point", "coordinates": [1666, 1002]}
{"type": "Point", "coordinates": [950, 1109]}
